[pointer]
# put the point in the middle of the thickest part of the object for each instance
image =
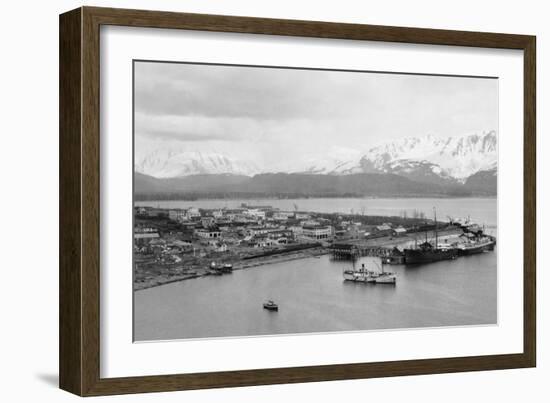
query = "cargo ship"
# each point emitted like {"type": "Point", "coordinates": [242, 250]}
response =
{"type": "Point", "coordinates": [428, 252]}
{"type": "Point", "coordinates": [476, 244]}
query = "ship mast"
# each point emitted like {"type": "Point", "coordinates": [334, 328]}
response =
{"type": "Point", "coordinates": [435, 219]}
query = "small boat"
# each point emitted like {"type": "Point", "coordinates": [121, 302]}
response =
{"type": "Point", "coordinates": [227, 268]}
{"type": "Point", "coordinates": [221, 268]}
{"type": "Point", "coordinates": [271, 306]}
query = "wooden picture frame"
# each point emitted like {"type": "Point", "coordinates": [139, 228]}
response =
{"type": "Point", "coordinates": [79, 281]}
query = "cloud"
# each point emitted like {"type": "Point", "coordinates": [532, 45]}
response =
{"type": "Point", "coordinates": [260, 93]}
{"type": "Point", "coordinates": [273, 113]}
{"type": "Point", "coordinates": [195, 128]}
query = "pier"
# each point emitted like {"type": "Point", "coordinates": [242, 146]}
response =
{"type": "Point", "coordinates": [388, 248]}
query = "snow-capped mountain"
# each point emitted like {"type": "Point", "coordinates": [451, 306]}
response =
{"type": "Point", "coordinates": [328, 166]}
{"type": "Point", "coordinates": [442, 160]}
{"type": "Point", "coordinates": [447, 158]}
{"type": "Point", "coordinates": [170, 163]}
{"type": "Point", "coordinates": [426, 159]}
{"type": "Point", "coordinates": [339, 161]}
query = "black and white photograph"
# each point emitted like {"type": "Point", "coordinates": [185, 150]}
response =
{"type": "Point", "coordinates": [270, 200]}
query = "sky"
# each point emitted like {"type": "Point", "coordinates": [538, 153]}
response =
{"type": "Point", "coordinates": [263, 115]}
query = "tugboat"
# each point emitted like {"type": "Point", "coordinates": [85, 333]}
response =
{"type": "Point", "coordinates": [428, 253]}
{"type": "Point", "coordinates": [363, 275]}
{"type": "Point", "coordinates": [271, 306]}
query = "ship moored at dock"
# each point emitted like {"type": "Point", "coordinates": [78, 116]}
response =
{"type": "Point", "coordinates": [476, 244]}
{"type": "Point", "coordinates": [428, 252]}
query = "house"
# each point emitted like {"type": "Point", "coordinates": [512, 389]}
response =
{"type": "Point", "coordinates": [317, 232]}
{"type": "Point", "coordinates": [207, 221]}
{"type": "Point", "coordinates": [257, 230]}
{"type": "Point", "coordinates": [230, 238]}
{"type": "Point", "coordinates": [264, 243]}
{"type": "Point", "coordinates": [278, 233]}
{"type": "Point", "coordinates": [220, 247]}
{"type": "Point", "coordinates": [217, 214]}
{"type": "Point", "coordinates": [340, 232]}
{"type": "Point", "coordinates": [256, 213]}
{"type": "Point", "coordinates": [158, 245]}
{"type": "Point", "coordinates": [181, 246]}
{"type": "Point", "coordinates": [400, 231]}
{"type": "Point", "coordinates": [279, 216]}
{"type": "Point", "coordinates": [188, 226]}
{"type": "Point", "coordinates": [296, 229]}
{"type": "Point", "coordinates": [208, 233]}
{"type": "Point", "coordinates": [184, 241]}
{"type": "Point", "coordinates": [223, 224]}
{"type": "Point", "coordinates": [142, 229]}
{"type": "Point", "coordinates": [156, 212]}
{"type": "Point", "coordinates": [144, 238]}
{"type": "Point", "coordinates": [357, 232]}
{"type": "Point", "coordinates": [141, 211]}
{"type": "Point", "coordinates": [177, 215]}
{"type": "Point", "coordinates": [244, 219]}
{"type": "Point", "coordinates": [310, 223]}
{"type": "Point", "coordinates": [233, 214]}
{"type": "Point", "coordinates": [384, 230]}
{"type": "Point", "coordinates": [193, 212]}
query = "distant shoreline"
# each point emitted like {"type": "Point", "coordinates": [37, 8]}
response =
{"type": "Point", "coordinates": [281, 185]}
{"type": "Point", "coordinates": [138, 199]}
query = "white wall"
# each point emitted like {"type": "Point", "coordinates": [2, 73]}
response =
{"type": "Point", "coordinates": [29, 169]}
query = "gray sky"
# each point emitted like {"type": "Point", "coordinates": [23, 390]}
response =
{"type": "Point", "coordinates": [265, 114]}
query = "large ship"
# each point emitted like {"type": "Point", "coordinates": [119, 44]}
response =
{"type": "Point", "coordinates": [428, 252]}
{"type": "Point", "coordinates": [476, 244]}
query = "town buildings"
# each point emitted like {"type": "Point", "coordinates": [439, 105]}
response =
{"type": "Point", "coordinates": [317, 232]}
{"type": "Point", "coordinates": [243, 230]}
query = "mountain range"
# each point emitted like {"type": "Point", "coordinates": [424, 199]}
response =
{"type": "Point", "coordinates": [461, 165]}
